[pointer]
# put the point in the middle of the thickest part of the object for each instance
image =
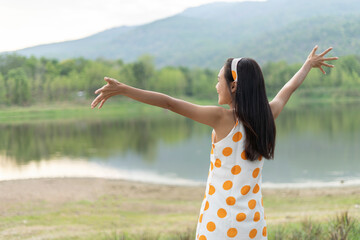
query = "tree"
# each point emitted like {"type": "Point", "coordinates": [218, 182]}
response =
{"type": "Point", "coordinates": [143, 71]}
{"type": "Point", "coordinates": [18, 87]}
{"type": "Point", "coordinates": [2, 90]}
{"type": "Point", "coordinates": [169, 80]}
{"type": "Point", "coordinates": [203, 83]}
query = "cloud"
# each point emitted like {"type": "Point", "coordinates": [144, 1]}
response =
{"type": "Point", "coordinates": [26, 23]}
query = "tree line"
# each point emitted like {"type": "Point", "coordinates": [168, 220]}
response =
{"type": "Point", "coordinates": [29, 80]}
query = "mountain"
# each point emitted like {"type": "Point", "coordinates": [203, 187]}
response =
{"type": "Point", "coordinates": [205, 36]}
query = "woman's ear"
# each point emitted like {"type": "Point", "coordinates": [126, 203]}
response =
{"type": "Point", "coordinates": [233, 86]}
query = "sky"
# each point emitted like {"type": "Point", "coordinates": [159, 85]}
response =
{"type": "Point", "coordinates": [26, 23]}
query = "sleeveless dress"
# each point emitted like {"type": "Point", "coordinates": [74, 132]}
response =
{"type": "Point", "coordinates": [232, 207]}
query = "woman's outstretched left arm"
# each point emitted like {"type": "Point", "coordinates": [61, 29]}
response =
{"type": "Point", "coordinates": [209, 115]}
{"type": "Point", "coordinates": [313, 61]}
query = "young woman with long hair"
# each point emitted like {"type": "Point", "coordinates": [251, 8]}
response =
{"type": "Point", "coordinates": [242, 137]}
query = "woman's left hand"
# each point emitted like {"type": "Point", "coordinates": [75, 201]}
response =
{"type": "Point", "coordinates": [112, 88]}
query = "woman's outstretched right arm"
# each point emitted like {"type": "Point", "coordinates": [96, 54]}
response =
{"type": "Point", "coordinates": [313, 61]}
{"type": "Point", "coordinates": [209, 115]}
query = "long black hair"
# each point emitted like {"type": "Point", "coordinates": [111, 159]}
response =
{"type": "Point", "coordinates": [252, 109]}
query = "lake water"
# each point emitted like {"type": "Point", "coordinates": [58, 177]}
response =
{"type": "Point", "coordinates": [316, 146]}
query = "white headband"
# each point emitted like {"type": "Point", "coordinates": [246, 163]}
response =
{"type": "Point", "coordinates": [234, 64]}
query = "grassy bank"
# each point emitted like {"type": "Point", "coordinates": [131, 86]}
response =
{"type": "Point", "coordinates": [124, 110]}
{"type": "Point", "coordinates": [109, 209]}
{"type": "Point", "coordinates": [127, 109]}
{"type": "Point", "coordinates": [119, 108]}
{"type": "Point", "coordinates": [341, 227]}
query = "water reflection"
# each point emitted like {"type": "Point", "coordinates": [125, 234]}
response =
{"type": "Point", "coordinates": [85, 139]}
{"type": "Point", "coordinates": [318, 143]}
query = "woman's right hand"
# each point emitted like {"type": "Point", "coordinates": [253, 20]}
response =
{"type": "Point", "coordinates": [112, 88]}
{"type": "Point", "coordinates": [318, 61]}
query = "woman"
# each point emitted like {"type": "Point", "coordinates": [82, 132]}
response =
{"type": "Point", "coordinates": [242, 136]}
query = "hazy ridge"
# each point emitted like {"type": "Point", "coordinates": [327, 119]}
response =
{"type": "Point", "coordinates": [205, 36]}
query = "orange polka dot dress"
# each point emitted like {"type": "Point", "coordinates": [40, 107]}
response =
{"type": "Point", "coordinates": [232, 207]}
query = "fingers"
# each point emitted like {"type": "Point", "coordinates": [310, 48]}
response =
{"type": "Point", "coordinates": [326, 51]}
{"type": "Point", "coordinates": [107, 79]}
{"type": "Point", "coordinates": [322, 70]}
{"type": "Point", "coordinates": [99, 90]}
{"type": "Point", "coordinates": [327, 65]}
{"type": "Point", "coordinates": [96, 101]}
{"type": "Point", "coordinates": [102, 102]}
{"type": "Point", "coordinates": [314, 50]}
{"type": "Point", "coordinates": [110, 80]}
{"type": "Point", "coordinates": [103, 97]}
{"type": "Point", "coordinates": [93, 104]}
{"type": "Point", "coordinates": [330, 59]}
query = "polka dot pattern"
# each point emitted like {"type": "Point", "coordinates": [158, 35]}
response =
{"type": "Point", "coordinates": [230, 201]}
{"type": "Point", "coordinates": [202, 237]}
{"type": "Point", "coordinates": [256, 172]}
{"type": "Point", "coordinates": [237, 137]}
{"type": "Point", "coordinates": [211, 190]}
{"type": "Point", "coordinates": [232, 232]}
{"type": "Point", "coordinates": [256, 189]}
{"type": "Point", "coordinates": [232, 207]}
{"type": "Point", "coordinates": [236, 169]}
{"type": "Point", "coordinates": [256, 217]}
{"type": "Point", "coordinates": [210, 226]}
{"type": "Point", "coordinates": [253, 233]}
{"type": "Point", "coordinates": [245, 189]}
{"type": "Point", "coordinates": [243, 155]}
{"type": "Point", "coordinates": [227, 185]}
{"type": "Point", "coordinates": [240, 217]}
{"type": "Point", "coordinates": [218, 163]}
{"type": "Point", "coordinates": [227, 151]}
{"type": "Point", "coordinates": [252, 204]}
{"type": "Point", "coordinates": [206, 206]}
{"type": "Point", "coordinates": [221, 213]}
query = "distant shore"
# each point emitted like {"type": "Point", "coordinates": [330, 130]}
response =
{"type": "Point", "coordinates": [125, 109]}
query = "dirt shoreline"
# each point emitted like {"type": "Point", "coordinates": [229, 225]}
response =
{"type": "Point", "coordinates": [59, 190]}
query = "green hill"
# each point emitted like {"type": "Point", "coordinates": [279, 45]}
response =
{"type": "Point", "coordinates": [205, 36]}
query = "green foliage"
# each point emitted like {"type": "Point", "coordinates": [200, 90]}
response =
{"type": "Point", "coordinates": [169, 80]}
{"type": "Point", "coordinates": [17, 85]}
{"type": "Point", "coordinates": [2, 90]}
{"type": "Point", "coordinates": [342, 227]}
{"type": "Point", "coordinates": [342, 81]}
{"type": "Point", "coordinates": [25, 81]}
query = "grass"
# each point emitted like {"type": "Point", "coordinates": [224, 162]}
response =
{"type": "Point", "coordinates": [322, 207]}
{"type": "Point", "coordinates": [119, 108]}
{"type": "Point", "coordinates": [117, 217]}
{"type": "Point", "coordinates": [342, 227]}
{"type": "Point", "coordinates": [123, 108]}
